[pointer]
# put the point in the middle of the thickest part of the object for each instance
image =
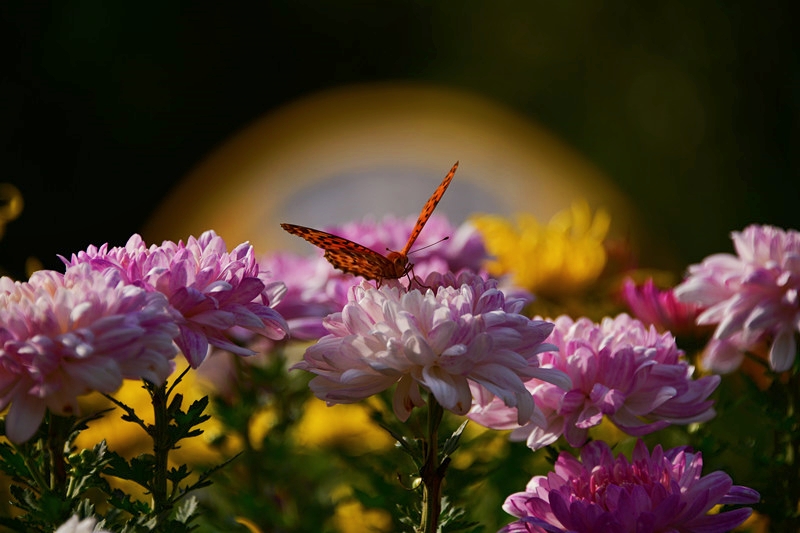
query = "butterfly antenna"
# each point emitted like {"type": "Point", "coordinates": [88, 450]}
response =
{"type": "Point", "coordinates": [428, 246]}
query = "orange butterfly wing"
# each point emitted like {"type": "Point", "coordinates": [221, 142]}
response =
{"type": "Point", "coordinates": [349, 256]}
{"type": "Point", "coordinates": [346, 255]}
{"type": "Point", "coordinates": [427, 209]}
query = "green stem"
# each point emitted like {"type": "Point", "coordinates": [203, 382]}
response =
{"type": "Point", "coordinates": [57, 434]}
{"type": "Point", "coordinates": [161, 449]}
{"type": "Point", "coordinates": [432, 471]}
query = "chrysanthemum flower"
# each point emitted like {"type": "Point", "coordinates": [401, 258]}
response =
{"type": "Point", "coordinates": [461, 331]}
{"type": "Point", "coordinates": [662, 491]}
{"type": "Point", "coordinates": [560, 257]}
{"type": "Point", "coordinates": [619, 369]}
{"type": "Point", "coordinates": [660, 307]}
{"type": "Point", "coordinates": [314, 290]}
{"type": "Point", "coordinates": [753, 297]}
{"type": "Point", "coordinates": [213, 290]}
{"type": "Point", "coordinates": [62, 336]}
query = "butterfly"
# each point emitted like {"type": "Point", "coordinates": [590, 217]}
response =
{"type": "Point", "coordinates": [351, 257]}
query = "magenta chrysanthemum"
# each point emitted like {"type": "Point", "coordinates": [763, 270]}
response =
{"type": "Point", "coordinates": [660, 307]}
{"type": "Point", "coordinates": [618, 368]}
{"type": "Point", "coordinates": [752, 297]}
{"type": "Point", "coordinates": [212, 289]}
{"type": "Point", "coordinates": [658, 492]}
{"type": "Point", "coordinates": [460, 332]}
{"type": "Point", "coordinates": [64, 335]}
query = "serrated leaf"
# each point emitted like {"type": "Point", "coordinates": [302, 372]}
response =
{"type": "Point", "coordinates": [12, 463]}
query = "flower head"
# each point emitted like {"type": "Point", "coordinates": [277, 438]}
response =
{"type": "Point", "coordinates": [619, 369]}
{"type": "Point", "coordinates": [561, 257]}
{"type": "Point", "coordinates": [753, 297]}
{"type": "Point", "coordinates": [314, 290]}
{"type": "Point", "coordinates": [212, 289]}
{"type": "Point", "coordinates": [662, 491]}
{"type": "Point", "coordinates": [460, 332]}
{"type": "Point", "coordinates": [660, 307]}
{"type": "Point", "coordinates": [64, 335]}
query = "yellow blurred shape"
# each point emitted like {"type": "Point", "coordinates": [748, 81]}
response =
{"type": "Point", "coordinates": [352, 517]}
{"type": "Point", "coordinates": [559, 258]}
{"type": "Point", "coordinates": [249, 524]}
{"type": "Point", "coordinates": [493, 447]}
{"type": "Point", "coordinates": [260, 424]}
{"type": "Point", "coordinates": [347, 425]}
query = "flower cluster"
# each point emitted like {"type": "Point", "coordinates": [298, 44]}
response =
{"type": "Point", "coordinates": [459, 335]}
{"type": "Point", "coordinates": [64, 335]}
{"type": "Point", "coordinates": [619, 369]}
{"type": "Point", "coordinates": [662, 491]}
{"type": "Point", "coordinates": [753, 297]}
{"type": "Point", "coordinates": [212, 290]}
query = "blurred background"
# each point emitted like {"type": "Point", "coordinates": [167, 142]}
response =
{"type": "Point", "coordinates": [688, 109]}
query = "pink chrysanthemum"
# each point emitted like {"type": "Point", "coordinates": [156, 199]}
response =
{"type": "Point", "coordinates": [460, 332]}
{"type": "Point", "coordinates": [213, 290]}
{"type": "Point", "coordinates": [662, 491]}
{"type": "Point", "coordinates": [620, 369]}
{"type": "Point", "coordinates": [752, 297]}
{"type": "Point", "coordinates": [660, 307]}
{"type": "Point", "coordinates": [314, 290]}
{"type": "Point", "coordinates": [62, 336]}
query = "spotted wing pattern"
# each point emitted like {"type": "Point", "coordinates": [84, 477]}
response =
{"type": "Point", "coordinates": [354, 258]}
{"type": "Point", "coordinates": [346, 255]}
{"type": "Point", "coordinates": [427, 210]}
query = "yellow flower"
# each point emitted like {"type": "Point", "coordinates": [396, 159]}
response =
{"type": "Point", "coordinates": [559, 258]}
{"type": "Point", "coordinates": [348, 425]}
{"type": "Point", "coordinates": [352, 517]}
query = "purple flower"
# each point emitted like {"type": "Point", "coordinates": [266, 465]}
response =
{"type": "Point", "coordinates": [752, 297]}
{"type": "Point", "coordinates": [662, 491]}
{"type": "Point", "coordinates": [314, 290]}
{"type": "Point", "coordinates": [620, 369]}
{"type": "Point", "coordinates": [213, 290]}
{"type": "Point", "coordinates": [660, 308]}
{"type": "Point", "coordinates": [458, 336]}
{"type": "Point", "coordinates": [64, 335]}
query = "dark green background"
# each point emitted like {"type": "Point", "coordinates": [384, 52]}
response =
{"type": "Point", "coordinates": [692, 107]}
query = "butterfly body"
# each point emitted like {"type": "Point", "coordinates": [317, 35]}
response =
{"type": "Point", "coordinates": [354, 258]}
